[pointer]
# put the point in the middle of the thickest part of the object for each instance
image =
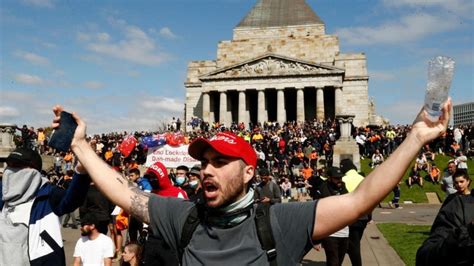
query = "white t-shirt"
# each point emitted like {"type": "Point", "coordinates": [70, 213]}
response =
{"type": "Point", "coordinates": [93, 252]}
{"type": "Point", "coordinates": [344, 232]}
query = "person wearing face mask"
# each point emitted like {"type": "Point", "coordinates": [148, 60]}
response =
{"type": "Point", "coordinates": [30, 231]}
{"type": "Point", "coordinates": [156, 250]}
{"type": "Point", "coordinates": [180, 178]}
{"type": "Point", "coordinates": [194, 183]}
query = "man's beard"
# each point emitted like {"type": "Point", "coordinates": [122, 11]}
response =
{"type": "Point", "coordinates": [233, 190]}
{"type": "Point", "coordinates": [86, 232]}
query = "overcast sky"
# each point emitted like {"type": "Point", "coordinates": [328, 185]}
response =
{"type": "Point", "coordinates": [121, 64]}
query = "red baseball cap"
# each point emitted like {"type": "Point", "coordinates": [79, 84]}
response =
{"type": "Point", "coordinates": [227, 144]}
{"type": "Point", "coordinates": [158, 169]}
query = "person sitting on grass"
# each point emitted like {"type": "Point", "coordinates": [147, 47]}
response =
{"type": "Point", "coordinates": [435, 174]}
{"type": "Point", "coordinates": [428, 153]}
{"type": "Point", "coordinates": [415, 177]}
{"type": "Point", "coordinates": [455, 147]}
{"type": "Point", "coordinates": [377, 158]}
{"type": "Point", "coordinates": [421, 163]}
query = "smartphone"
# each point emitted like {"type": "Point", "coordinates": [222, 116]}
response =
{"type": "Point", "coordinates": [62, 136]}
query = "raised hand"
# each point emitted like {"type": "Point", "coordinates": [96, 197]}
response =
{"type": "Point", "coordinates": [426, 130]}
{"type": "Point", "coordinates": [80, 133]}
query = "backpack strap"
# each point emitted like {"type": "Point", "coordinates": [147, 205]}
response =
{"type": "Point", "coordinates": [265, 233]}
{"type": "Point", "coordinates": [262, 223]}
{"type": "Point", "coordinates": [192, 221]}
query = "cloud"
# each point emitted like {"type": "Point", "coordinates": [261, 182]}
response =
{"type": "Point", "coordinates": [134, 46]}
{"type": "Point", "coordinates": [381, 75]}
{"type": "Point", "coordinates": [93, 84]}
{"type": "Point", "coordinates": [83, 37]}
{"type": "Point", "coordinates": [8, 112]}
{"type": "Point", "coordinates": [33, 58]}
{"type": "Point", "coordinates": [20, 106]}
{"type": "Point", "coordinates": [133, 73]}
{"type": "Point", "coordinates": [408, 29]}
{"type": "Point", "coordinates": [48, 45]}
{"type": "Point", "coordinates": [140, 112]}
{"type": "Point", "coordinates": [30, 80]}
{"type": "Point", "coordinates": [400, 112]}
{"type": "Point", "coordinates": [103, 37]}
{"type": "Point", "coordinates": [162, 104]}
{"type": "Point", "coordinates": [464, 8]}
{"type": "Point", "coordinates": [135, 110]}
{"type": "Point", "coordinates": [167, 33]}
{"type": "Point", "coordinates": [40, 3]}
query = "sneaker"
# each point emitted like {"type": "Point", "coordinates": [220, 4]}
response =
{"type": "Point", "coordinates": [390, 204]}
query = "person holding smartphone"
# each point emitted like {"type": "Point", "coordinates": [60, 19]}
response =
{"type": "Point", "coordinates": [226, 233]}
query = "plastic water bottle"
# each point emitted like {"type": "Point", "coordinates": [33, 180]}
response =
{"type": "Point", "coordinates": [440, 74]}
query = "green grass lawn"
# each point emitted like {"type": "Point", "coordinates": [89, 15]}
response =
{"type": "Point", "coordinates": [405, 239]}
{"type": "Point", "coordinates": [417, 193]}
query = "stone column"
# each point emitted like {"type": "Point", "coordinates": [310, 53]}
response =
{"type": "Point", "coordinates": [320, 104]}
{"type": "Point", "coordinates": [7, 144]}
{"type": "Point", "coordinates": [261, 107]}
{"type": "Point", "coordinates": [206, 106]}
{"type": "Point", "coordinates": [300, 105]}
{"type": "Point", "coordinates": [281, 111]}
{"type": "Point", "coordinates": [242, 105]}
{"type": "Point", "coordinates": [338, 100]}
{"type": "Point", "coordinates": [223, 108]}
{"type": "Point", "coordinates": [346, 147]}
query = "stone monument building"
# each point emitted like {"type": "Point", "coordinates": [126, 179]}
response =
{"type": "Point", "coordinates": [279, 66]}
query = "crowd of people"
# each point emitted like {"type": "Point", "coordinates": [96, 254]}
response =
{"type": "Point", "coordinates": [284, 150]}
{"type": "Point", "coordinates": [292, 155]}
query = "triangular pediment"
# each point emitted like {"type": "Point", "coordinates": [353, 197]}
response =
{"type": "Point", "coordinates": [272, 65]}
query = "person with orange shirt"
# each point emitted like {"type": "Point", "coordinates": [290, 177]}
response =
{"type": "Point", "coordinates": [133, 165]}
{"type": "Point", "coordinates": [108, 155]}
{"type": "Point", "coordinates": [455, 147]}
{"type": "Point", "coordinates": [435, 174]}
{"type": "Point", "coordinates": [68, 158]}
{"type": "Point", "coordinates": [306, 171]}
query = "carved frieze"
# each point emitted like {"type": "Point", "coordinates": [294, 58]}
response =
{"type": "Point", "coordinates": [271, 66]}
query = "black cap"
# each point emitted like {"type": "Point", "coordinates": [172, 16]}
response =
{"type": "Point", "coordinates": [22, 157]}
{"type": "Point", "coordinates": [89, 219]}
{"type": "Point", "coordinates": [335, 172]}
{"type": "Point", "coordinates": [196, 170]}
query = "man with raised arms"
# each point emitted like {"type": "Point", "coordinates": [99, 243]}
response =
{"type": "Point", "coordinates": [226, 232]}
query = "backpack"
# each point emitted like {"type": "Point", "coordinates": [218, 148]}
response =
{"type": "Point", "coordinates": [262, 223]}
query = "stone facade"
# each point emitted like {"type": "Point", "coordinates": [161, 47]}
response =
{"type": "Point", "coordinates": [7, 145]}
{"type": "Point", "coordinates": [278, 73]}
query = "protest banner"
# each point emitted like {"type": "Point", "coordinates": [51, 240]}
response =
{"type": "Point", "coordinates": [170, 156]}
